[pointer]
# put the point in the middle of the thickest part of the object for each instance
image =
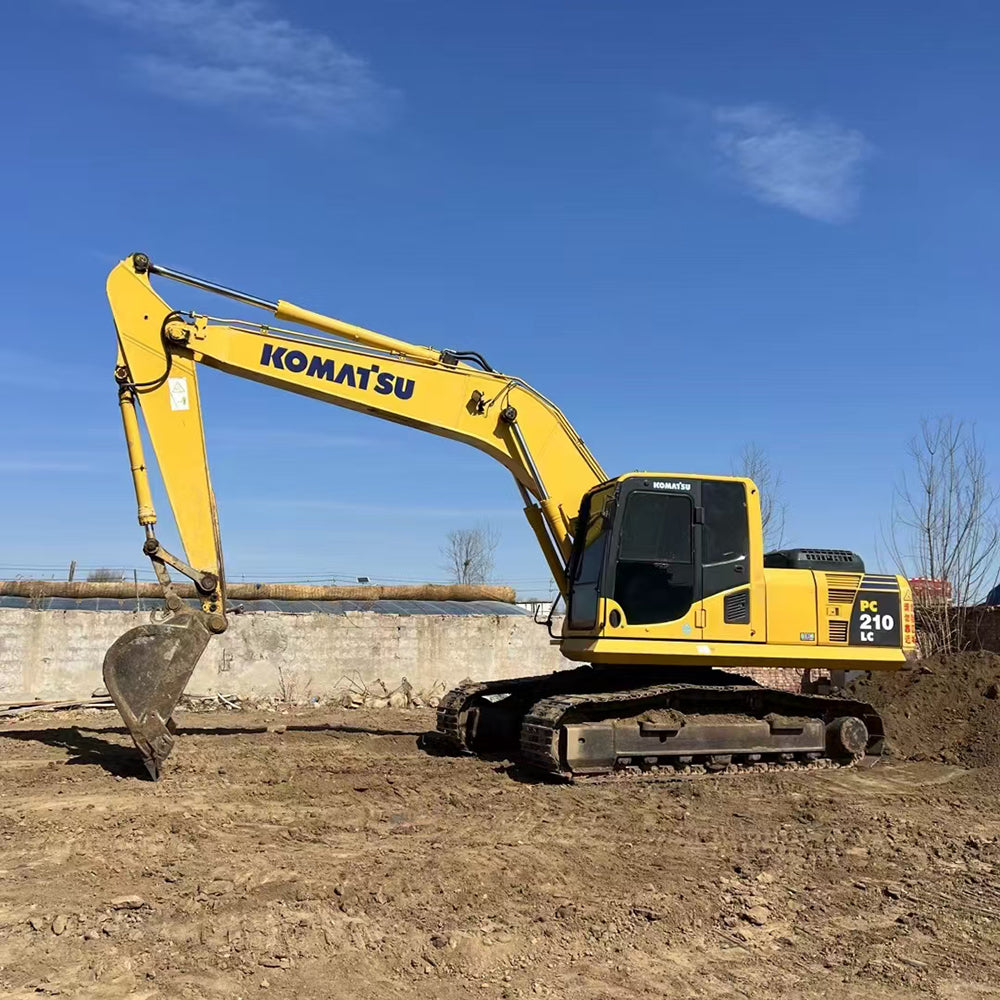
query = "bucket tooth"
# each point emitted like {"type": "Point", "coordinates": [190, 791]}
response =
{"type": "Point", "coordinates": [146, 671]}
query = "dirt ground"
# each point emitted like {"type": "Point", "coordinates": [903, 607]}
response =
{"type": "Point", "coordinates": [335, 859]}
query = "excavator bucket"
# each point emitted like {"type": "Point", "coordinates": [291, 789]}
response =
{"type": "Point", "coordinates": [146, 671]}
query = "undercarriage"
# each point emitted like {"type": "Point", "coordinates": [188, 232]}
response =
{"type": "Point", "coordinates": [597, 720]}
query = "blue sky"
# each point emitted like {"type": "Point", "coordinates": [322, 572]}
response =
{"type": "Point", "coordinates": [691, 225]}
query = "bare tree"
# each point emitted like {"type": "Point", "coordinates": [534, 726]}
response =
{"type": "Point", "coordinates": [946, 529]}
{"type": "Point", "coordinates": [470, 553]}
{"type": "Point", "coordinates": [754, 463]}
{"type": "Point", "coordinates": [105, 575]}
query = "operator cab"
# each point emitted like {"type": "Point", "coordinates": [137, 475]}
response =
{"type": "Point", "coordinates": [655, 546]}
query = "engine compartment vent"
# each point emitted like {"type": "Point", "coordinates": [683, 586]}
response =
{"type": "Point", "coordinates": [841, 588]}
{"type": "Point", "coordinates": [827, 560]}
{"type": "Point", "coordinates": [836, 595]}
{"type": "Point", "coordinates": [837, 631]}
{"type": "Point", "coordinates": [736, 608]}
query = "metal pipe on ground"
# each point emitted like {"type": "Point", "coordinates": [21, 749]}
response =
{"type": "Point", "coordinates": [127, 590]}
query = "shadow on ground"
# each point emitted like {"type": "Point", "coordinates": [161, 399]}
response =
{"type": "Point", "coordinates": [88, 745]}
{"type": "Point", "coordinates": [123, 762]}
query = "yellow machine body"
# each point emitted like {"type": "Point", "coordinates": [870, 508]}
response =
{"type": "Point", "coordinates": [759, 617]}
{"type": "Point", "coordinates": [715, 608]}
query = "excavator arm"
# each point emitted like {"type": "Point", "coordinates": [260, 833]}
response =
{"type": "Point", "coordinates": [453, 394]}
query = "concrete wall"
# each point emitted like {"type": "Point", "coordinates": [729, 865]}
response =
{"type": "Point", "coordinates": [58, 654]}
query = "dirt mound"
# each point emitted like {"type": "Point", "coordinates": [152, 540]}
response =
{"type": "Point", "coordinates": [942, 708]}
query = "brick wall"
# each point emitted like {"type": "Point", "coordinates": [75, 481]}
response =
{"type": "Point", "coordinates": [781, 678]}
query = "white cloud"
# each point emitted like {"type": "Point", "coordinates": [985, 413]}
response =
{"type": "Point", "coordinates": [813, 168]}
{"type": "Point", "coordinates": [235, 54]}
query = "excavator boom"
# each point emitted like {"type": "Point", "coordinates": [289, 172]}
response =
{"type": "Point", "coordinates": [451, 393]}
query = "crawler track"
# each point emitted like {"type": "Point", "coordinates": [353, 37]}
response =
{"type": "Point", "coordinates": [697, 772]}
{"type": "Point", "coordinates": [591, 721]}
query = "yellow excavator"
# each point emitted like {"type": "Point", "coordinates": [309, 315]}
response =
{"type": "Point", "coordinates": [664, 575]}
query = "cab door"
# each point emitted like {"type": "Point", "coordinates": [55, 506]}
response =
{"type": "Point", "coordinates": [657, 579]}
{"type": "Point", "coordinates": [732, 585]}
{"type": "Point", "coordinates": [585, 607]}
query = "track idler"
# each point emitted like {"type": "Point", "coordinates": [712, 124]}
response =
{"type": "Point", "coordinates": [846, 737]}
{"type": "Point", "coordinates": [146, 671]}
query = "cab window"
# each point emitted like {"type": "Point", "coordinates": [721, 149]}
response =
{"type": "Point", "coordinates": [655, 574]}
{"type": "Point", "coordinates": [726, 536]}
{"type": "Point", "coordinates": [589, 561]}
